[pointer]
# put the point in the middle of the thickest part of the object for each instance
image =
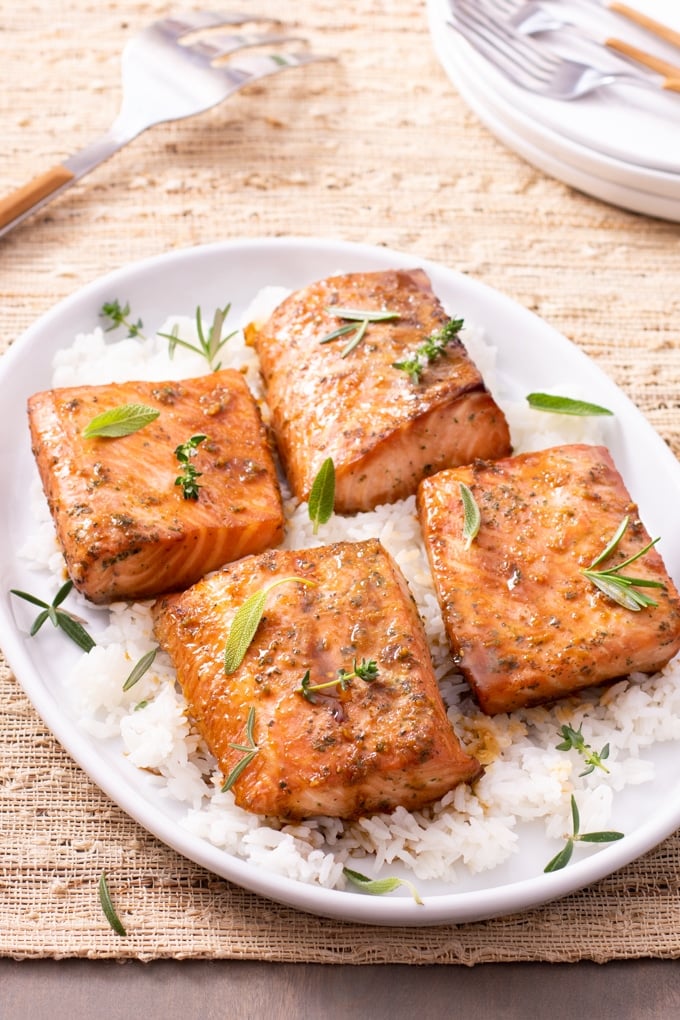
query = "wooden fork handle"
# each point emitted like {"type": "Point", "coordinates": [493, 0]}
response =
{"type": "Point", "coordinates": [30, 195]}
{"type": "Point", "coordinates": [671, 71]}
{"type": "Point", "coordinates": [656, 27]}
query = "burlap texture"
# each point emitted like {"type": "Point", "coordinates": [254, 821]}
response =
{"type": "Point", "coordinates": [376, 147]}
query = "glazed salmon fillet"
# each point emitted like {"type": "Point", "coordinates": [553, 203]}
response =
{"type": "Point", "coordinates": [125, 527]}
{"type": "Point", "coordinates": [383, 430]}
{"type": "Point", "coordinates": [378, 743]}
{"type": "Point", "coordinates": [524, 623]}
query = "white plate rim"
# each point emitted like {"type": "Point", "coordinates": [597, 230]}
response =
{"type": "Point", "coordinates": [543, 342]}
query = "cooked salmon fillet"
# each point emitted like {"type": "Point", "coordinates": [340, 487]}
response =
{"type": "Point", "coordinates": [383, 430]}
{"type": "Point", "coordinates": [376, 744]}
{"type": "Point", "coordinates": [524, 623]}
{"type": "Point", "coordinates": [126, 530]}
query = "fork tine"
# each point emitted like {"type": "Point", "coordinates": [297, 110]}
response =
{"type": "Point", "coordinates": [222, 45]}
{"type": "Point", "coordinates": [517, 55]}
{"type": "Point", "coordinates": [194, 21]}
{"type": "Point", "coordinates": [253, 67]}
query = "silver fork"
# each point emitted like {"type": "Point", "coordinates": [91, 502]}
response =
{"type": "Point", "coordinates": [165, 79]}
{"type": "Point", "coordinates": [534, 68]}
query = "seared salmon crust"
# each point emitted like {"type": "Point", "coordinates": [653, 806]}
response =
{"type": "Point", "coordinates": [383, 430]}
{"type": "Point", "coordinates": [125, 528]}
{"type": "Point", "coordinates": [378, 743]}
{"type": "Point", "coordinates": [524, 623]}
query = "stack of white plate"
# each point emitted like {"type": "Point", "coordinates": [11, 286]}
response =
{"type": "Point", "coordinates": [618, 144]}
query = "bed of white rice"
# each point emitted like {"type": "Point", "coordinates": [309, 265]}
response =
{"type": "Point", "coordinates": [470, 830]}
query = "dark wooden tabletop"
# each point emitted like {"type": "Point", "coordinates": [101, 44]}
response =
{"type": "Point", "coordinates": [212, 990]}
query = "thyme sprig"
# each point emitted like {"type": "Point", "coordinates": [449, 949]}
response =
{"type": "Point", "coordinates": [366, 670]}
{"type": "Point", "coordinates": [380, 886]}
{"type": "Point", "coordinates": [120, 316]}
{"type": "Point", "coordinates": [246, 621]}
{"type": "Point", "coordinates": [574, 740]}
{"type": "Point", "coordinates": [187, 479]}
{"type": "Point", "coordinates": [248, 750]}
{"type": "Point", "coordinates": [208, 346]}
{"type": "Point", "coordinates": [59, 617]}
{"type": "Point", "coordinates": [431, 348]}
{"type": "Point", "coordinates": [358, 323]}
{"type": "Point", "coordinates": [622, 588]}
{"type": "Point", "coordinates": [108, 907]}
{"type": "Point", "coordinates": [322, 495]}
{"type": "Point", "coordinates": [561, 859]}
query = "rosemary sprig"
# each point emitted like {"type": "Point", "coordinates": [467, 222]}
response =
{"type": "Point", "coordinates": [248, 750]}
{"type": "Point", "coordinates": [380, 886]}
{"type": "Point", "coordinates": [108, 907]}
{"type": "Point", "coordinates": [357, 325]}
{"type": "Point", "coordinates": [208, 346]}
{"type": "Point", "coordinates": [561, 859]}
{"type": "Point", "coordinates": [322, 495]}
{"type": "Point", "coordinates": [120, 316]}
{"type": "Point", "coordinates": [120, 421]}
{"type": "Point", "coordinates": [574, 740]}
{"type": "Point", "coordinates": [564, 405]}
{"type": "Point", "coordinates": [189, 475]}
{"type": "Point", "coordinates": [247, 620]}
{"type": "Point", "coordinates": [472, 518]}
{"type": "Point", "coordinates": [60, 618]}
{"type": "Point", "coordinates": [140, 669]}
{"type": "Point", "coordinates": [622, 588]}
{"type": "Point", "coordinates": [365, 670]}
{"type": "Point", "coordinates": [431, 348]}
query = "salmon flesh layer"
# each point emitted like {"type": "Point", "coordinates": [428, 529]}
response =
{"type": "Point", "coordinates": [368, 744]}
{"type": "Point", "coordinates": [383, 429]}
{"type": "Point", "coordinates": [126, 529]}
{"type": "Point", "coordinates": [525, 623]}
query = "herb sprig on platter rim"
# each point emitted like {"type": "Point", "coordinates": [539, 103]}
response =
{"type": "Point", "coordinates": [59, 617]}
{"type": "Point", "coordinates": [380, 886]}
{"type": "Point", "coordinates": [561, 859]}
{"type": "Point", "coordinates": [622, 588]}
{"type": "Point", "coordinates": [357, 324]}
{"type": "Point", "coordinates": [119, 315]}
{"type": "Point", "coordinates": [431, 348]}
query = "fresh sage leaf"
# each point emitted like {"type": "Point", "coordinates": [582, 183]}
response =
{"type": "Point", "coordinates": [120, 421]}
{"type": "Point", "coordinates": [247, 620]}
{"type": "Point", "coordinates": [322, 495]}
{"type": "Point", "coordinates": [565, 405]}
{"type": "Point", "coordinates": [472, 518]}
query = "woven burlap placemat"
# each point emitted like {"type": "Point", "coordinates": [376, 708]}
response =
{"type": "Point", "coordinates": [375, 147]}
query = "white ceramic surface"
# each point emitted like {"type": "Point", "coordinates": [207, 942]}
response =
{"type": "Point", "coordinates": [605, 145]}
{"type": "Point", "coordinates": [532, 356]}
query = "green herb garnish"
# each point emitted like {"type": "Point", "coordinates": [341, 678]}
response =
{"type": "Point", "coordinates": [429, 350]}
{"type": "Point", "coordinates": [322, 495]}
{"type": "Point", "coordinates": [380, 886]}
{"type": "Point", "coordinates": [120, 317]}
{"type": "Point", "coordinates": [140, 669]}
{"type": "Point", "coordinates": [108, 907]}
{"type": "Point", "coordinates": [248, 750]}
{"type": "Point", "coordinates": [365, 670]}
{"type": "Point", "coordinates": [622, 588]}
{"type": "Point", "coordinates": [573, 740]}
{"type": "Point", "coordinates": [120, 421]}
{"type": "Point", "coordinates": [564, 405]}
{"type": "Point", "coordinates": [60, 618]}
{"type": "Point", "coordinates": [208, 346]}
{"type": "Point", "coordinates": [561, 859]}
{"type": "Point", "coordinates": [247, 620]}
{"type": "Point", "coordinates": [358, 324]}
{"type": "Point", "coordinates": [189, 475]}
{"type": "Point", "coordinates": [472, 518]}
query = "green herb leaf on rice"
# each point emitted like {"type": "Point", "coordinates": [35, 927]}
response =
{"type": "Point", "coordinates": [565, 405]}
